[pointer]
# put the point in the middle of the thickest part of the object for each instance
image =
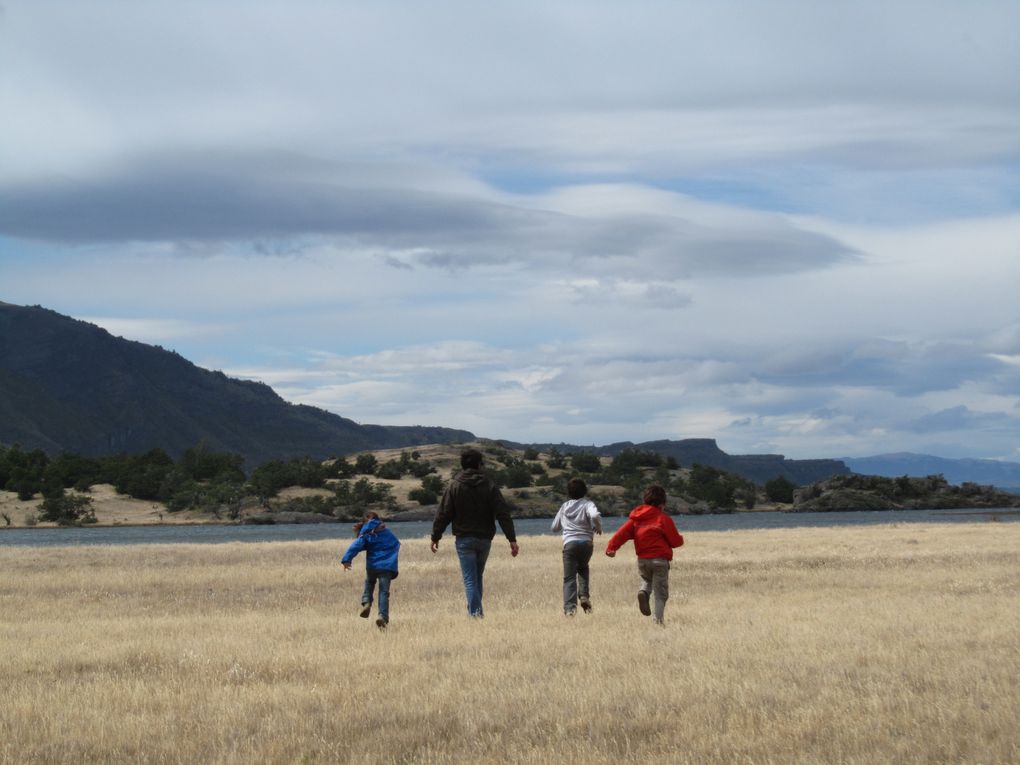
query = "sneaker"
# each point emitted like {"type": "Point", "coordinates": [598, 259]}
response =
{"type": "Point", "coordinates": [381, 623]}
{"type": "Point", "coordinates": [570, 612]}
{"type": "Point", "coordinates": [585, 605]}
{"type": "Point", "coordinates": [642, 603]}
{"type": "Point", "coordinates": [366, 609]}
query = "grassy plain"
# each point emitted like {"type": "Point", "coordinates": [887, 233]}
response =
{"type": "Point", "coordinates": [896, 643]}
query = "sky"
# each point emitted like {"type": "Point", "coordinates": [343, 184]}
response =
{"type": "Point", "coordinates": [793, 227]}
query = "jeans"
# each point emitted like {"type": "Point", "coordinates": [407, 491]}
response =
{"type": "Point", "coordinates": [576, 557]}
{"type": "Point", "coordinates": [472, 553]}
{"type": "Point", "coordinates": [655, 580]}
{"type": "Point", "coordinates": [384, 578]}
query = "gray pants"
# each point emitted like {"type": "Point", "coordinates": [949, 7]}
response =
{"type": "Point", "coordinates": [655, 581]}
{"type": "Point", "coordinates": [576, 559]}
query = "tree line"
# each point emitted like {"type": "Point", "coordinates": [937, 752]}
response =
{"type": "Point", "coordinates": [207, 480]}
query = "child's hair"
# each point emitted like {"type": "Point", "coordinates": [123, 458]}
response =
{"type": "Point", "coordinates": [368, 517]}
{"type": "Point", "coordinates": [655, 495]}
{"type": "Point", "coordinates": [471, 459]}
{"type": "Point", "coordinates": [576, 488]}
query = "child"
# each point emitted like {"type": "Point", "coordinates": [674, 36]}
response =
{"type": "Point", "coordinates": [382, 547]}
{"type": "Point", "coordinates": [579, 520]}
{"type": "Point", "coordinates": [655, 536]}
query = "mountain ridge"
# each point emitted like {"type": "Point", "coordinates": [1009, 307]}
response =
{"type": "Point", "coordinates": [999, 473]}
{"type": "Point", "coordinates": [66, 384]}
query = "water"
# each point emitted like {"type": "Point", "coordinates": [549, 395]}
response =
{"type": "Point", "coordinates": [120, 535]}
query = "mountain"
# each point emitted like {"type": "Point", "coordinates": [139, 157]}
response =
{"type": "Point", "coordinates": [705, 451]}
{"type": "Point", "coordinates": [70, 385]}
{"type": "Point", "coordinates": [1002, 475]}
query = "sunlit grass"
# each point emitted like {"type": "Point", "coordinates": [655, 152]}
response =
{"type": "Point", "coordinates": [896, 643]}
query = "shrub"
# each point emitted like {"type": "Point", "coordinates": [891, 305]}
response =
{"type": "Point", "coordinates": [556, 460]}
{"type": "Point", "coordinates": [780, 489]}
{"type": "Point", "coordinates": [365, 464]}
{"type": "Point", "coordinates": [391, 470]}
{"type": "Point", "coordinates": [585, 462]}
{"type": "Point", "coordinates": [67, 509]}
{"type": "Point", "coordinates": [423, 496]}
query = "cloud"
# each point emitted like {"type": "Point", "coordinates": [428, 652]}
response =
{"type": "Point", "coordinates": [791, 225]}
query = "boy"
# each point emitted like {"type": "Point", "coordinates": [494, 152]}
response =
{"type": "Point", "coordinates": [655, 536]}
{"type": "Point", "coordinates": [579, 520]}
{"type": "Point", "coordinates": [382, 547]}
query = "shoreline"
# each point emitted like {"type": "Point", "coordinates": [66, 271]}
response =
{"type": "Point", "coordinates": [323, 521]}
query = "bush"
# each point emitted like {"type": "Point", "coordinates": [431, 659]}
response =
{"type": "Point", "coordinates": [67, 509]}
{"type": "Point", "coordinates": [391, 470]}
{"type": "Point", "coordinates": [585, 462]}
{"type": "Point", "coordinates": [514, 476]}
{"type": "Point", "coordinates": [556, 460]}
{"type": "Point", "coordinates": [365, 464]}
{"type": "Point", "coordinates": [780, 489]}
{"type": "Point", "coordinates": [423, 496]}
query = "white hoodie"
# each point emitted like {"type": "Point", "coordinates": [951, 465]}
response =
{"type": "Point", "coordinates": [579, 519]}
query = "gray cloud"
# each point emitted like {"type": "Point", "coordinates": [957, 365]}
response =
{"type": "Point", "coordinates": [274, 198]}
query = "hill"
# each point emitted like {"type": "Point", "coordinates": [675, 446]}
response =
{"type": "Point", "coordinates": [67, 385]}
{"type": "Point", "coordinates": [759, 468]}
{"type": "Point", "coordinates": [1002, 475]}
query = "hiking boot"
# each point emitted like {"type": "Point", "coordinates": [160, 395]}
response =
{"type": "Point", "coordinates": [585, 604]}
{"type": "Point", "coordinates": [642, 603]}
{"type": "Point", "coordinates": [381, 623]}
{"type": "Point", "coordinates": [366, 609]}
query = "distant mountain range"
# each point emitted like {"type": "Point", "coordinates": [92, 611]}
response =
{"type": "Point", "coordinates": [705, 451]}
{"type": "Point", "coordinates": [67, 385]}
{"type": "Point", "coordinates": [1002, 475]}
{"type": "Point", "coordinates": [70, 385]}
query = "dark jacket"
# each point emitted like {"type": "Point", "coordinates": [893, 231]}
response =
{"type": "Point", "coordinates": [473, 503]}
{"type": "Point", "coordinates": [381, 545]}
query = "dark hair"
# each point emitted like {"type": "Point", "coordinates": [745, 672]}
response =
{"type": "Point", "coordinates": [655, 495]}
{"type": "Point", "coordinates": [368, 517]}
{"type": "Point", "coordinates": [470, 459]}
{"type": "Point", "coordinates": [576, 488]}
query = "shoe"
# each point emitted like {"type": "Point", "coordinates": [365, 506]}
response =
{"type": "Point", "coordinates": [366, 609]}
{"type": "Point", "coordinates": [381, 623]}
{"type": "Point", "coordinates": [585, 605]}
{"type": "Point", "coordinates": [642, 603]}
{"type": "Point", "coordinates": [570, 612]}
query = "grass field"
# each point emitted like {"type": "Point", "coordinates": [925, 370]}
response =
{"type": "Point", "coordinates": [898, 643]}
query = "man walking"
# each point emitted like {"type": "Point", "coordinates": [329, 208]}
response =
{"type": "Point", "coordinates": [473, 503]}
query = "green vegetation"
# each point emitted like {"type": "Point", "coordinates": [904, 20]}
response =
{"type": "Point", "coordinates": [207, 481]}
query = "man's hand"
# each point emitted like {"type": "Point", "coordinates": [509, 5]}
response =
{"type": "Point", "coordinates": [435, 546]}
{"type": "Point", "coordinates": [347, 566]}
{"type": "Point", "coordinates": [514, 549]}
{"type": "Point", "coordinates": [611, 553]}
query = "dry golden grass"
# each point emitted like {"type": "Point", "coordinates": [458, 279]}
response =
{"type": "Point", "coordinates": [898, 643]}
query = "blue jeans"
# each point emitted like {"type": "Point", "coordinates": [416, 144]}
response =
{"type": "Point", "coordinates": [472, 553]}
{"type": "Point", "coordinates": [384, 578]}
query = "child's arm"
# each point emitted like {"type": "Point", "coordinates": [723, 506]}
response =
{"type": "Point", "coordinates": [672, 535]}
{"type": "Point", "coordinates": [356, 546]}
{"type": "Point", "coordinates": [557, 524]}
{"type": "Point", "coordinates": [596, 519]}
{"type": "Point", "coordinates": [625, 532]}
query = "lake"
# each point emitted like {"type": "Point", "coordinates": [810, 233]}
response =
{"type": "Point", "coordinates": [171, 534]}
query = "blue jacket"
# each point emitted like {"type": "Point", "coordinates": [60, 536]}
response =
{"type": "Point", "coordinates": [381, 546]}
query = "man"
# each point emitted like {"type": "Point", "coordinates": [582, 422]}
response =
{"type": "Point", "coordinates": [473, 503]}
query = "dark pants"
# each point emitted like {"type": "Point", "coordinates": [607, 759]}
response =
{"type": "Point", "coordinates": [576, 557]}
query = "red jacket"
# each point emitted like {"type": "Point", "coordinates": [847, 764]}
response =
{"type": "Point", "coordinates": [653, 532]}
